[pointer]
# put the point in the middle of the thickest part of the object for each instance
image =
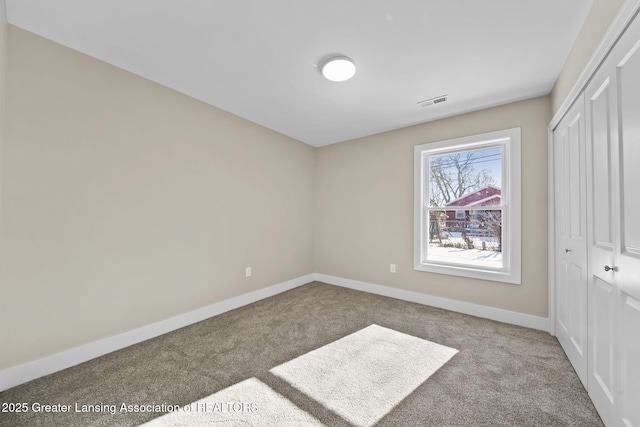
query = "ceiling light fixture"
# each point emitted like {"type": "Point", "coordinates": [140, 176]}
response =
{"type": "Point", "coordinates": [338, 68]}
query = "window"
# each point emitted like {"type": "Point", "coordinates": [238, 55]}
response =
{"type": "Point", "coordinates": [467, 206]}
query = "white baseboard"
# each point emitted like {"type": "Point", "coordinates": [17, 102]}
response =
{"type": "Point", "coordinates": [25, 372]}
{"type": "Point", "coordinates": [506, 316]}
{"type": "Point", "coordinates": [20, 374]}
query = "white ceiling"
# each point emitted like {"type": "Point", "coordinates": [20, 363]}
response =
{"type": "Point", "coordinates": [259, 58]}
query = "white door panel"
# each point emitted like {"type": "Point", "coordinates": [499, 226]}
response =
{"type": "Point", "coordinates": [562, 304]}
{"type": "Point", "coordinates": [600, 146]}
{"type": "Point", "coordinates": [577, 177]}
{"type": "Point", "coordinates": [570, 230]}
{"type": "Point", "coordinates": [630, 361]}
{"type": "Point", "coordinates": [578, 314]}
{"type": "Point", "coordinates": [602, 341]}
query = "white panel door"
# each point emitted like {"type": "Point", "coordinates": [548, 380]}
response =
{"type": "Point", "coordinates": [601, 113]}
{"type": "Point", "coordinates": [627, 251]}
{"type": "Point", "coordinates": [613, 165]}
{"type": "Point", "coordinates": [570, 231]}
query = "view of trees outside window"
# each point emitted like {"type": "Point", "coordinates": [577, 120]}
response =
{"type": "Point", "coordinates": [465, 207]}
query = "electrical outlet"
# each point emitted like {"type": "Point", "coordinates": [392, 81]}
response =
{"type": "Point", "coordinates": [392, 268]}
{"type": "Point", "coordinates": [247, 272]}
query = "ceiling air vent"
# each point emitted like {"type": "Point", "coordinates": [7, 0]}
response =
{"type": "Point", "coordinates": [432, 101]}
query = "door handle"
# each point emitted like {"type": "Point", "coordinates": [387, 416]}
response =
{"type": "Point", "coordinates": [607, 268]}
{"type": "Point", "coordinates": [566, 251]}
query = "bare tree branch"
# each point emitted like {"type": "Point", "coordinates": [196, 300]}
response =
{"type": "Point", "coordinates": [454, 175]}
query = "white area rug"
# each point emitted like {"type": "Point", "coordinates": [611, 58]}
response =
{"type": "Point", "coordinates": [360, 377]}
{"type": "Point", "coordinates": [363, 376]}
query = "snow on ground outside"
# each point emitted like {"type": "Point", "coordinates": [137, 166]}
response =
{"type": "Point", "coordinates": [478, 257]}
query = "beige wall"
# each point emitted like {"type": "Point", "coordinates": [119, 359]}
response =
{"type": "Point", "coordinates": [125, 203]}
{"type": "Point", "coordinates": [600, 16]}
{"type": "Point", "coordinates": [364, 208]}
{"type": "Point", "coordinates": [3, 57]}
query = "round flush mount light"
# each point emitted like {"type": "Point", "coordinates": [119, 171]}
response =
{"type": "Point", "coordinates": [338, 68]}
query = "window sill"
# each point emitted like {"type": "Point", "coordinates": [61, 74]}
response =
{"type": "Point", "coordinates": [474, 273]}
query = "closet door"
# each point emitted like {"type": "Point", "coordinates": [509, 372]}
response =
{"type": "Point", "coordinates": [601, 152]}
{"type": "Point", "coordinates": [626, 263]}
{"type": "Point", "coordinates": [570, 231]}
{"type": "Point", "coordinates": [613, 170]}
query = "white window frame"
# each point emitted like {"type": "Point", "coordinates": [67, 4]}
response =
{"type": "Point", "coordinates": [511, 192]}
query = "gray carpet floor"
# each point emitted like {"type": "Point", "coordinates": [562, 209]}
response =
{"type": "Point", "coordinates": [503, 375]}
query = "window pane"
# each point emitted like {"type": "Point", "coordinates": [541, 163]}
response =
{"type": "Point", "coordinates": [466, 178]}
{"type": "Point", "coordinates": [475, 240]}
